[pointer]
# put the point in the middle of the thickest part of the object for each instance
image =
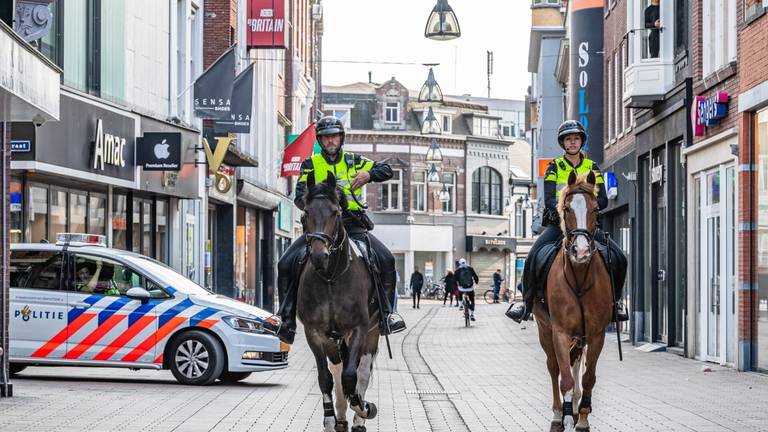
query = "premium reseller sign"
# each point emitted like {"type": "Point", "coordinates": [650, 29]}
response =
{"type": "Point", "coordinates": [266, 26]}
{"type": "Point", "coordinates": [159, 151]}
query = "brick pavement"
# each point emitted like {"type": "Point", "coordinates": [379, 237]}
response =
{"type": "Point", "coordinates": [444, 377]}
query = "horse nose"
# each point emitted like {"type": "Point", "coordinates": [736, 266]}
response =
{"type": "Point", "coordinates": [320, 260]}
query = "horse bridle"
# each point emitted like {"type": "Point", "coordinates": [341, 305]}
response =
{"type": "Point", "coordinates": [330, 241]}
{"type": "Point", "coordinates": [573, 234]}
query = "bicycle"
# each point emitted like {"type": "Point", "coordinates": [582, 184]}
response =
{"type": "Point", "coordinates": [434, 291]}
{"type": "Point", "coordinates": [503, 296]}
{"type": "Point", "coordinates": [465, 306]}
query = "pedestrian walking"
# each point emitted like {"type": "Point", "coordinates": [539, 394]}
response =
{"type": "Point", "coordinates": [497, 280]}
{"type": "Point", "coordinates": [417, 282]}
{"type": "Point", "coordinates": [451, 288]}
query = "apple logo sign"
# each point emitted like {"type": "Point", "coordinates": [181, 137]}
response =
{"type": "Point", "coordinates": [161, 150]}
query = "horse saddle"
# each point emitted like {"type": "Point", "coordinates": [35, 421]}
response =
{"type": "Point", "coordinates": [542, 262]}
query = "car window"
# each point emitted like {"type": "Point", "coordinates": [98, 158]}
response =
{"type": "Point", "coordinates": [155, 291]}
{"type": "Point", "coordinates": [98, 275]}
{"type": "Point", "coordinates": [170, 276]}
{"type": "Point", "coordinates": [36, 269]}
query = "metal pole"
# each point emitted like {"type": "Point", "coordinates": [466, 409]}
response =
{"type": "Point", "coordinates": [6, 388]}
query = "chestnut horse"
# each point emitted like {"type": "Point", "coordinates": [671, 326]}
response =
{"type": "Point", "coordinates": [335, 293]}
{"type": "Point", "coordinates": [579, 300]}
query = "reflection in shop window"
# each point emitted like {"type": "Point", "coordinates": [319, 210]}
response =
{"type": "Point", "coordinates": [97, 208]}
{"type": "Point", "coordinates": [119, 221]}
{"type": "Point", "coordinates": [161, 231]}
{"type": "Point", "coordinates": [37, 225]}
{"type": "Point", "coordinates": [58, 213]}
{"type": "Point", "coordinates": [17, 215]}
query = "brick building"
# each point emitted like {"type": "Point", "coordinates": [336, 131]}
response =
{"type": "Point", "coordinates": [384, 123]}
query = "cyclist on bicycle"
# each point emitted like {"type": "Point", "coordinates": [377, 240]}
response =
{"type": "Point", "coordinates": [467, 278]}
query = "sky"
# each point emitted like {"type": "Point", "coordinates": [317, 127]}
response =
{"type": "Point", "coordinates": [357, 32]}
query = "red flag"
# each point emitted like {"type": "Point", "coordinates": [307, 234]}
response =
{"type": "Point", "coordinates": [297, 151]}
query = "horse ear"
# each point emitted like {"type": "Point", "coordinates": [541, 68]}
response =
{"type": "Point", "coordinates": [572, 178]}
{"type": "Point", "coordinates": [310, 180]}
{"type": "Point", "coordinates": [331, 181]}
{"type": "Point", "coordinates": [591, 179]}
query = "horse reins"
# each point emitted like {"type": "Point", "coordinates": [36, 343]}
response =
{"type": "Point", "coordinates": [579, 290]}
{"type": "Point", "coordinates": [334, 243]}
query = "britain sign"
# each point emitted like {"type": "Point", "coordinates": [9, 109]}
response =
{"type": "Point", "coordinates": [266, 25]}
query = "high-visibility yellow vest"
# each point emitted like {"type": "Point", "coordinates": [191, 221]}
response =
{"type": "Point", "coordinates": [343, 170]}
{"type": "Point", "coordinates": [562, 169]}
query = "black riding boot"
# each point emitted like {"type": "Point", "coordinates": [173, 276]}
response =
{"type": "Point", "coordinates": [287, 291]}
{"type": "Point", "coordinates": [396, 323]}
{"type": "Point", "coordinates": [520, 312]}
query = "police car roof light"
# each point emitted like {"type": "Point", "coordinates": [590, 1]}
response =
{"type": "Point", "coordinates": [73, 239]}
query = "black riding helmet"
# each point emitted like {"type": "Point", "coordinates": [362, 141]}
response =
{"type": "Point", "coordinates": [329, 125]}
{"type": "Point", "coordinates": [569, 127]}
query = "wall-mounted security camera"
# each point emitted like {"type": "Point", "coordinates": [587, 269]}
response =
{"type": "Point", "coordinates": [38, 120]}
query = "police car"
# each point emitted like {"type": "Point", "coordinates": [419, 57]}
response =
{"type": "Point", "coordinates": [78, 303]}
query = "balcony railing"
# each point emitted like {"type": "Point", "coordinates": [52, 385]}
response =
{"type": "Point", "coordinates": [649, 72]}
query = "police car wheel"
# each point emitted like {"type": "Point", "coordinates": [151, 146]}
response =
{"type": "Point", "coordinates": [16, 368]}
{"type": "Point", "coordinates": [197, 358]}
{"type": "Point", "coordinates": [233, 377]}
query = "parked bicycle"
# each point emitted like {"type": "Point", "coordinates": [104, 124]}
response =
{"type": "Point", "coordinates": [504, 295]}
{"type": "Point", "coordinates": [434, 291]}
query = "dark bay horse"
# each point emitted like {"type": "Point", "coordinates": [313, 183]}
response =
{"type": "Point", "coordinates": [335, 292]}
{"type": "Point", "coordinates": [580, 303]}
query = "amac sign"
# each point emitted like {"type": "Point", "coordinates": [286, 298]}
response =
{"type": "Point", "coordinates": [266, 26]}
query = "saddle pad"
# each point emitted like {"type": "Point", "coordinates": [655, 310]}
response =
{"type": "Point", "coordinates": [541, 265]}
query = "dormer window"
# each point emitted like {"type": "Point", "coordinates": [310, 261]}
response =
{"type": "Point", "coordinates": [392, 112]}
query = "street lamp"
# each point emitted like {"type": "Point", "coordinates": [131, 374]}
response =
{"type": "Point", "coordinates": [430, 125]}
{"type": "Point", "coordinates": [444, 195]}
{"type": "Point", "coordinates": [430, 91]}
{"type": "Point", "coordinates": [434, 154]}
{"type": "Point", "coordinates": [434, 176]}
{"type": "Point", "coordinates": [442, 23]}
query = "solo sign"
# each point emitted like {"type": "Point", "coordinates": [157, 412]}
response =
{"type": "Point", "coordinates": [708, 112]}
{"type": "Point", "coordinates": [266, 26]}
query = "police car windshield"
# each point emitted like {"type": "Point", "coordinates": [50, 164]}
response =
{"type": "Point", "coordinates": [167, 274]}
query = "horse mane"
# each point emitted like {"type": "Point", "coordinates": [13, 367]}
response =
{"type": "Point", "coordinates": [581, 185]}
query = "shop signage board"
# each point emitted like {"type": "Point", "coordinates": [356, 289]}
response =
{"type": "Point", "coordinates": [476, 243]}
{"type": "Point", "coordinates": [707, 112]}
{"type": "Point", "coordinates": [239, 118]}
{"type": "Point", "coordinates": [266, 24]}
{"type": "Point", "coordinates": [21, 146]}
{"type": "Point", "coordinates": [213, 89]}
{"type": "Point", "coordinates": [159, 151]}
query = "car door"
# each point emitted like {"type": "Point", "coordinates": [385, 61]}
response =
{"type": "Point", "coordinates": [38, 307]}
{"type": "Point", "coordinates": [115, 328]}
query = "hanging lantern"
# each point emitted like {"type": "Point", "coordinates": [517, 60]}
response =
{"type": "Point", "coordinates": [430, 124]}
{"type": "Point", "coordinates": [434, 154]}
{"type": "Point", "coordinates": [434, 176]}
{"type": "Point", "coordinates": [430, 91]}
{"type": "Point", "coordinates": [444, 195]}
{"type": "Point", "coordinates": [442, 23]}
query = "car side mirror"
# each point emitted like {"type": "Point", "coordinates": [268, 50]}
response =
{"type": "Point", "coordinates": [138, 293]}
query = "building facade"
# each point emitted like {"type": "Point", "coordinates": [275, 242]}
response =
{"type": "Point", "coordinates": [384, 123]}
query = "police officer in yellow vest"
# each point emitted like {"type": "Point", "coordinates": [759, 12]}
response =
{"type": "Point", "coordinates": [572, 137]}
{"type": "Point", "coordinates": [352, 171]}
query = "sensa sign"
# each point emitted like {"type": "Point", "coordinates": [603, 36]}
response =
{"type": "Point", "coordinates": [266, 26]}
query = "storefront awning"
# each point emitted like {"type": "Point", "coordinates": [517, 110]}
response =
{"type": "Point", "coordinates": [237, 158]}
{"type": "Point", "coordinates": [501, 244]}
{"type": "Point", "coordinates": [29, 82]}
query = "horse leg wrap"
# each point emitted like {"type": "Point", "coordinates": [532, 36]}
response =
{"type": "Point", "coordinates": [328, 410]}
{"type": "Point", "coordinates": [586, 403]}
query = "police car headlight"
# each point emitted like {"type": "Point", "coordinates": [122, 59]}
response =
{"type": "Point", "coordinates": [244, 324]}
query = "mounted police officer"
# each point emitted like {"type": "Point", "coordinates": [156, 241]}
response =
{"type": "Point", "coordinates": [572, 137]}
{"type": "Point", "coordinates": [352, 171]}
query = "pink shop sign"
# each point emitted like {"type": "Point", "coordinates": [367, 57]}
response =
{"type": "Point", "coordinates": [707, 112]}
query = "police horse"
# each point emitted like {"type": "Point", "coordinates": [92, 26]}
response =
{"type": "Point", "coordinates": [335, 306]}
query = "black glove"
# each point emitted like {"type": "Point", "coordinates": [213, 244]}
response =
{"type": "Point", "coordinates": [551, 217]}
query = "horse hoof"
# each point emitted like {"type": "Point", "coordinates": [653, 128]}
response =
{"type": "Point", "coordinates": [556, 426]}
{"type": "Point", "coordinates": [582, 429]}
{"type": "Point", "coordinates": [359, 429]}
{"type": "Point", "coordinates": [372, 411]}
{"type": "Point", "coordinates": [342, 426]}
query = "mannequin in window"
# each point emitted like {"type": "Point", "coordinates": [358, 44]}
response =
{"type": "Point", "coordinates": [653, 22]}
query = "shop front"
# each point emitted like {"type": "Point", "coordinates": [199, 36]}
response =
{"type": "Point", "coordinates": [712, 194]}
{"type": "Point", "coordinates": [658, 295]}
{"type": "Point", "coordinates": [756, 345]}
{"type": "Point", "coordinates": [488, 254]}
{"type": "Point", "coordinates": [80, 175]}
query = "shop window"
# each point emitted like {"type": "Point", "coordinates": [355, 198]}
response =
{"type": "Point", "coordinates": [161, 231]}
{"type": "Point", "coordinates": [97, 209]}
{"type": "Point", "coordinates": [37, 226]}
{"type": "Point", "coordinates": [486, 191]}
{"type": "Point", "coordinates": [761, 142]}
{"type": "Point", "coordinates": [449, 181]}
{"type": "Point", "coordinates": [391, 192]}
{"type": "Point", "coordinates": [78, 206]}
{"type": "Point", "coordinates": [35, 269]}
{"type": "Point", "coordinates": [419, 187]}
{"type": "Point", "coordinates": [119, 221]}
{"type": "Point", "coordinates": [58, 212]}
{"type": "Point", "coordinates": [17, 214]}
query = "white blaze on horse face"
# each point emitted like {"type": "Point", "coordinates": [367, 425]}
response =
{"type": "Point", "coordinates": [579, 208]}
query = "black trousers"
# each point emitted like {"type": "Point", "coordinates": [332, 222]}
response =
{"type": "Point", "coordinates": [449, 296]}
{"type": "Point", "coordinates": [417, 297]}
{"type": "Point", "coordinates": [288, 271]}
{"type": "Point", "coordinates": [653, 43]}
{"type": "Point", "coordinates": [551, 234]}
{"type": "Point", "coordinates": [471, 295]}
